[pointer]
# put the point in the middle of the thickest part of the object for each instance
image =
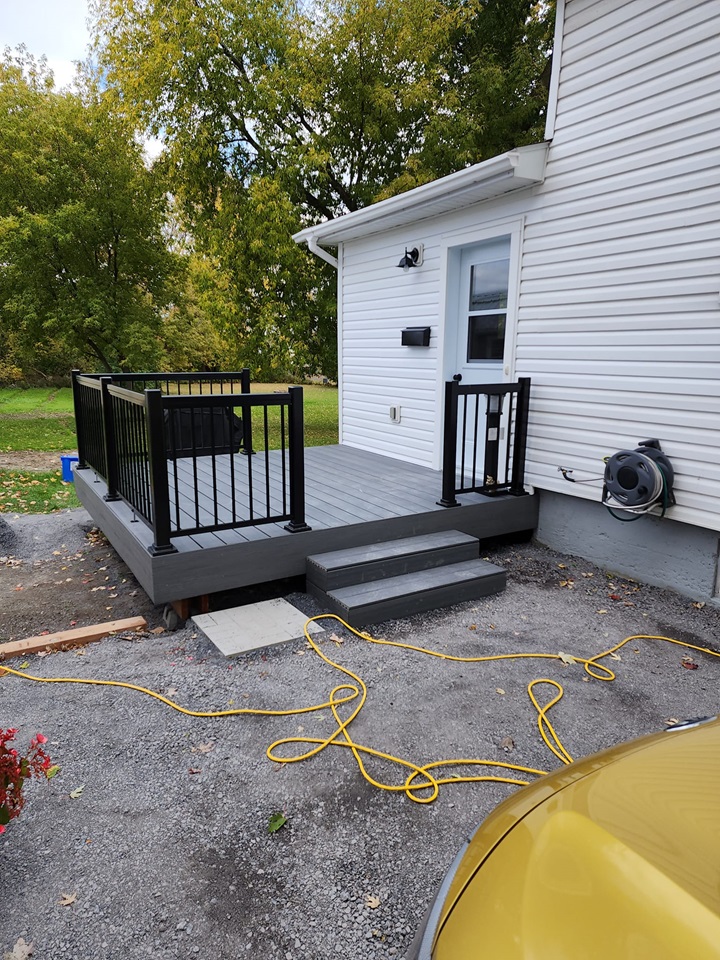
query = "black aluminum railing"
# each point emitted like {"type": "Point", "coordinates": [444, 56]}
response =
{"type": "Point", "coordinates": [169, 445]}
{"type": "Point", "coordinates": [484, 439]}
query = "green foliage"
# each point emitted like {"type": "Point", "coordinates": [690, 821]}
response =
{"type": "Point", "coordinates": [275, 822]}
{"type": "Point", "coordinates": [84, 265]}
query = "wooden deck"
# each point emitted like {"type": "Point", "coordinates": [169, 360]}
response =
{"type": "Point", "coordinates": [352, 498]}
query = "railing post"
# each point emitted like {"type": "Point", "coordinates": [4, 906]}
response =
{"type": "Point", "coordinates": [449, 467]}
{"type": "Point", "coordinates": [517, 487]}
{"type": "Point", "coordinates": [79, 421]}
{"type": "Point", "coordinates": [111, 460]}
{"type": "Point", "coordinates": [492, 439]}
{"type": "Point", "coordinates": [159, 490]}
{"type": "Point", "coordinates": [247, 449]}
{"type": "Point", "coordinates": [296, 443]}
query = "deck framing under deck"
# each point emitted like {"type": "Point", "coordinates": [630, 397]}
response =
{"type": "Point", "coordinates": [353, 498]}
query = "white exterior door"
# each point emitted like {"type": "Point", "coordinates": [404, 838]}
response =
{"type": "Point", "coordinates": [480, 345]}
{"type": "Point", "coordinates": [482, 316]}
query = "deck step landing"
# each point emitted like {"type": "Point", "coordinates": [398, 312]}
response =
{"type": "Point", "coordinates": [398, 578]}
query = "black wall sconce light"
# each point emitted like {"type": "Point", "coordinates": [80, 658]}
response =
{"type": "Point", "coordinates": [411, 258]}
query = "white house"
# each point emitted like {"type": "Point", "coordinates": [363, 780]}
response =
{"type": "Point", "coordinates": [589, 263]}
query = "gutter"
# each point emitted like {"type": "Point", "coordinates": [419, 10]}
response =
{"type": "Point", "coordinates": [315, 248]}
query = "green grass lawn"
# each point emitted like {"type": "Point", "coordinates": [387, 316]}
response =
{"type": "Point", "coordinates": [39, 401]}
{"type": "Point", "coordinates": [320, 406]}
{"type": "Point", "coordinates": [26, 492]}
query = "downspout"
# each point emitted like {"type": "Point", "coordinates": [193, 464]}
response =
{"type": "Point", "coordinates": [315, 248]}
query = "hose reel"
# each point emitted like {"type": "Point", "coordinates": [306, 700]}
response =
{"type": "Point", "coordinates": [637, 480]}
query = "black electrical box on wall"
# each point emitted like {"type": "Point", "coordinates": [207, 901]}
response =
{"type": "Point", "coordinates": [416, 337]}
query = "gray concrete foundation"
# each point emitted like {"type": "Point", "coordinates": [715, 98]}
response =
{"type": "Point", "coordinates": [658, 551]}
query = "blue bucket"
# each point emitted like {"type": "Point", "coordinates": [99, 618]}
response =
{"type": "Point", "coordinates": [66, 462]}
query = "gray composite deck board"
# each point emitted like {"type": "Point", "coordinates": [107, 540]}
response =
{"type": "Point", "coordinates": [352, 498]}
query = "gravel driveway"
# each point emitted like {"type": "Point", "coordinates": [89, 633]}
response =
{"type": "Point", "coordinates": [165, 852]}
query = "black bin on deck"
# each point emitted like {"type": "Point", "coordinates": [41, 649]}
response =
{"type": "Point", "coordinates": [201, 431]}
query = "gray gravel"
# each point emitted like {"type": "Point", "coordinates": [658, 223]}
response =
{"type": "Point", "coordinates": [168, 863]}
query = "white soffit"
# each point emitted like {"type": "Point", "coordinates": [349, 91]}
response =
{"type": "Point", "coordinates": [514, 170]}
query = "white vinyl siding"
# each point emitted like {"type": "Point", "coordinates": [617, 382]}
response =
{"type": "Point", "coordinates": [379, 301]}
{"type": "Point", "coordinates": [619, 316]}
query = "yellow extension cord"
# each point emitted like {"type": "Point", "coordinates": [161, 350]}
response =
{"type": "Point", "coordinates": [420, 785]}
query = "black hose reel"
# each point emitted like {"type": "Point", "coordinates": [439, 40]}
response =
{"type": "Point", "coordinates": [637, 480]}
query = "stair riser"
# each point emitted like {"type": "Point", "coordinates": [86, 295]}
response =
{"type": "Point", "coordinates": [404, 606]}
{"type": "Point", "coordinates": [389, 567]}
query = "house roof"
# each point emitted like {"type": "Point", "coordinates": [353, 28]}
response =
{"type": "Point", "coordinates": [514, 170]}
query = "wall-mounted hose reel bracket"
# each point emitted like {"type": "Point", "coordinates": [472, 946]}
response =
{"type": "Point", "coordinates": [637, 480]}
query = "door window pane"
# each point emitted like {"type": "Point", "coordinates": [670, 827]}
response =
{"type": "Point", "coordinates": [489, 285]}
{"type": "Point", "coordinates": [486, 336]}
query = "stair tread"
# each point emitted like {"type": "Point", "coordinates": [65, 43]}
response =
{"type": "Point", "coordinates": [390, 549]}
{"type": "Point", "coordinates": [407, 584]}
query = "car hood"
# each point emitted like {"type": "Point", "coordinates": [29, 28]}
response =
{"type": "Point", "coordinates": [620, 853]}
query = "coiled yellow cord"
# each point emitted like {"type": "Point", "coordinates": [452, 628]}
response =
{"type": "Point", "coordinates": [420, 785]}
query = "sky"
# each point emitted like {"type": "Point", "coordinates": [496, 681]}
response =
{"type": "Point", "coordinates": [55, 28]}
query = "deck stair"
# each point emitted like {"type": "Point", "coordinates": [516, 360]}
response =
{"type": "Point", "coordinates": [397, 578]}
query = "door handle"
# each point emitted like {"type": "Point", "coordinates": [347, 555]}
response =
{"type": "Point", "coordinates": [458, 377]}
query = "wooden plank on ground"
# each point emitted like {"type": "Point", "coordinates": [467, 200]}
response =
{"type": "Point", "coordinates": [75, 638]}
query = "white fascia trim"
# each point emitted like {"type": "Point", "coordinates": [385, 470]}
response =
{"type": "Point", "coordinates": [516, 169]}
{"type": "Point", "coordinates": [555, 70]}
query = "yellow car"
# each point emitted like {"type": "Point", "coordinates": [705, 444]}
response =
{"type": "Point", "coordinates": [615, 857]}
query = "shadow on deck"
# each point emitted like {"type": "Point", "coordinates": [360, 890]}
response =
{"type": "Point", "coordinates": [352, 498]}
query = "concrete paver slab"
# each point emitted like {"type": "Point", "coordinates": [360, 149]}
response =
{"type": "Point", "coordinates": [242, 629]}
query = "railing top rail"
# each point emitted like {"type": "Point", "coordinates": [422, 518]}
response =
{"type": "Point", "coordinates": [223, 399]}
{"type": "Point", "coordinates": [89, 380]}
{"type": "Point", "coordinates": [491, 389]}
{"type": "Point", "coordinates": [131, 396]}
{"type": "Point", "coordinates": [172, 377]}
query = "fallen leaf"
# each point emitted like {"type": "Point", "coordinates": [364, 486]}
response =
{"type": "Point", "coordinates": [562, 566]}
{"type": "Point", "coordinates": [23, 666]}
{"type": "Point", "coordinates": [588, 575]}
{"type": "Point", "coordinates": [473, 626]}
{"type": "Point", "coordinates": [157, 630]}
{"type": "Point", "coordinates": [566, 658]}
{"type": "Point", "coordinates": [586, 679]}
{"type": "Point", "coordinates": [614, 596]}
{"type": "Point", "coordinates": [500, 691]}
{"type": "Point", "coordinates": [671, 720]}
{"type": "Point", "coordinates": [601, 611]}
{"type": "Point", "coordinates": [699, 605]}
{"type": "Point", "coordinates": [193, 770]}
{"type": "Point", "coordinates": [171, 691]}
{"type": "Point", "coordinates": [77, 792]}
{"type": "Point", "coordinates": [688, 663]}
{"type": "Point", "coordinates": [616, 656]}
{"type": "Point", "coordinates": [507, 744]}
{"type": "Point", "coordinates": [276, 821]}
{"type": "Point", "coordinates": [52, 771]}
{"type": "Point", "coordinates": [372, 901]}
{"type": "Point", "coordinates": [336, 639]}
{"type": "Point", "coordinates": [21, 950]}
{"type": "Point", "coordinates": [202, 748]}
{"type": "Point", "coordinates": [67, 899]}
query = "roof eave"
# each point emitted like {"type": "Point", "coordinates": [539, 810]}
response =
{"type": "Point", "coordinates": [514, 170]}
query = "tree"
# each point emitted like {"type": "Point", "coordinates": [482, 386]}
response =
{"type": "Point", "coordinates": [83, 261]}
{"type": "Point", "coordinates": [322, 106]}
